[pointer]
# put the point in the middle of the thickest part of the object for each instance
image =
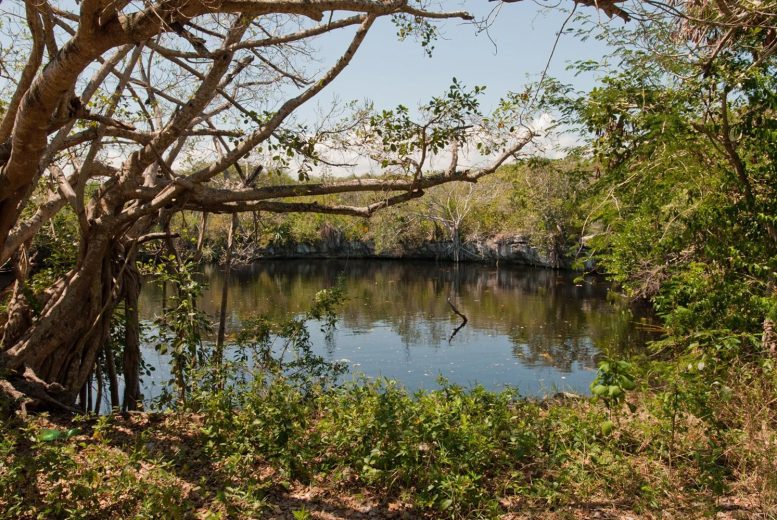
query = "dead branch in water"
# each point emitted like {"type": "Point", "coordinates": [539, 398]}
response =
{"type": "Point", "coordinates": [461, 326]}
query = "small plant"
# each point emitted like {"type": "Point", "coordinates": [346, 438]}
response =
{"type": "Point", "coordinates": [301, 514]}
{"type": "Point", "coordinates": [51, 435]}
{"type": "Point", "coordinates": [613, 380]}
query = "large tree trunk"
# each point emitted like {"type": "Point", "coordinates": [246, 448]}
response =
{"type": "Point", "coordinates": [52, 359]}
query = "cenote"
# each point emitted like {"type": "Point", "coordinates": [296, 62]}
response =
{"type": "Point", "coordinates": [531, 329]}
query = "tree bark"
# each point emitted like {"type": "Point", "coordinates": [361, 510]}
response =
{"type": "Point", "coordinates": [113, 379]}
{"type": "Point", "coordinates": [57, 352]}
{"type": "Point", "coordinates": [202, 230]}
{"type": "Point", "coordinates": [132, 397]}
{"type": "Point", "coordinates": [83, 398]}
{"type": "Point", "coordinates": [91, 406]}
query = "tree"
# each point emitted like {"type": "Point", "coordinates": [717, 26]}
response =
{"type": "Point", "coordinates": [683, 135]}
{"type": "Point", "coordinates": [545, 195]}
{"type": "Point", "coordinates": [130, 95]}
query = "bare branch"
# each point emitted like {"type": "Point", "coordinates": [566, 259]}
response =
{"type": "Point", "coordinates": [30, 69]}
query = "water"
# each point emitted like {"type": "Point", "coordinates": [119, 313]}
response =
{"type": "Point", "coordinates": [533, 329]}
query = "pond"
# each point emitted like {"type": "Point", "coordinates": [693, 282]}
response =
{"type": "Point", "coordinates": [532, 329]}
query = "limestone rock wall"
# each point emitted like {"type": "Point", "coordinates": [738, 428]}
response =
{"type": "Point", "coordinates": [514, 249]}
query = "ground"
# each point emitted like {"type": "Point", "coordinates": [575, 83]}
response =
{"type": "Point", "coordinates": [156, 466]}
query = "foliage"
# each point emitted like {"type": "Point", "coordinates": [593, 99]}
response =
{"type": "Point", "coordinates": [682, 214]}
{"type": "Point", "coordinates": [447, 453]}
{"type": "Point", "coordinates": [55, 251]}
{"type": "Point", "coordinates": [546, 197]}
{"type": "Point", "coordinates": [539, 199]}
{"type": "Point", "coordinates": [282, 350]}
{"type": "Point", "coordinates": [445, 121]}
{"type": "Point", "coordinates": [182, 326]}
{"type": "Point", "coordinates": [677, 202]}
{"type": "Point", "coordinates": [613, 379]}
{"type": "Point", "coordinates": [687, 187]}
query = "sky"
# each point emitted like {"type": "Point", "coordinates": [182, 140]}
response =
{"type": "Point", "coordinates": [514, 52]}
{"type": "Point", "coordinates": [390, 72]}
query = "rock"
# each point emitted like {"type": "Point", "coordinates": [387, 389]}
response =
{"type": "Point", "coordinates": [509, 249]}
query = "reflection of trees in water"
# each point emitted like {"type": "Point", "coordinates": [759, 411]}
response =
{"type": "Point", "coordinates": [550, 321]}
{"type": "Point", "coordinates": [560, 353]}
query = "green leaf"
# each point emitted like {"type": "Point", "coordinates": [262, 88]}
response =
{"type": "Point", "coordinates": [607, 427]}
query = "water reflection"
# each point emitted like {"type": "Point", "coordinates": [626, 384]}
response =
{"type": "Point", "coordinates": [531, 328]}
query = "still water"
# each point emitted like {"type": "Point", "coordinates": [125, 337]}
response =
{"type": "Point", "coordinates": [532, 329]}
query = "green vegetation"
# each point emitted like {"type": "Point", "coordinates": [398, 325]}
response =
{"type": "Point", "coordinates": [451, 453]}
{"type": "Point", "coordinates": [677, 202]}
{"type": "Point", "coordinates": [537, 199]}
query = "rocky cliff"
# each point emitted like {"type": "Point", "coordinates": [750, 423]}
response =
{"type": "Point", "coordinates": [514, 249]}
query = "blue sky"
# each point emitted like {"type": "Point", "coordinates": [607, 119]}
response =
{"type": "Point", "coordinates": [390, 72]}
